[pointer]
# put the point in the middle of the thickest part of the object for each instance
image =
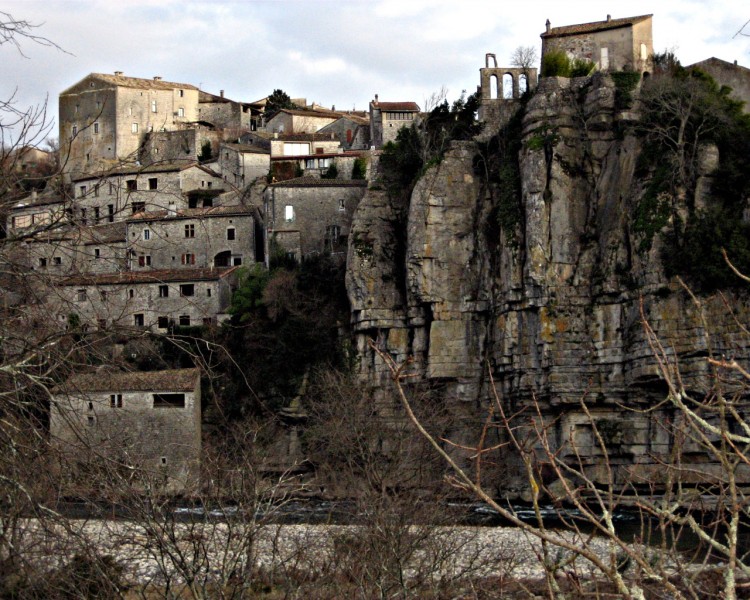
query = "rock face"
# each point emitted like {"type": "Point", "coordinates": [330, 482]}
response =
{"type": "Point", "coordinates": [551, 310]}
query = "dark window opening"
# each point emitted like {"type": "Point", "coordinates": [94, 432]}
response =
{"type": "Point", "coordinates": [185, 320]}
{"type": "Point", "coordinates": [162, 322]}
{"type": "Point", "coordinates": [138, 207]}
{"type": "Point", "coordinates": [230, 233]}
{"type": "Point", "coordinates": [138, 320]}
{"type": "Point", "coordinates": [131, 185]}
{"type": "Point", "coordinates": [169, 400]}
{"type": "Point", "coordinates": [153, 182]}
{"type": "Point", "coordinates": [187, 289]}
{"type": "Point", "coordinates": [115, 400]}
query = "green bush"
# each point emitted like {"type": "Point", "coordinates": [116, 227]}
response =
{"type": "Point", "coordinates": [555, 63]}
{"type": "Point", "coordinates": [625, 82]}
{"type": "Point", "coordinates": [581, 68]}
{"type": "Point", "coordinates": [359, 170]}
{"type": "Point", "coordinates": [331, 173]}
{"type": "Point", "coordinates": [206, 152]}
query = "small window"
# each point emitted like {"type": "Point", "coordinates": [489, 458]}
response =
{"type": "Point", "coordinates": [42, 262]}
{"type": "Point", "coordinates": [97, 253]}
{"type": "Point", "coordinates": [207, 321]}
{"type": "Point", "coordinates": [131, 185]}
{"type": "Point", "coordinates": [56, 260]}
{"type": "Point", "coordinates": [163, 291]}
{"type": "Point", "coordinates": [96, 214]}
{"type": "Point", "coordinates": [138, 320]}
{"type": "Point", "coordinates": [96, 190]}
{"type": "Point", "coordinates": [230, 233]}
{"type": "Point", "coordinates": [91, 406]}
{"type": "Point", "coordinates": [90, 421]}
{"type": "Point", "coordinates": [153, 106]}
{"type": "Point", "coordinates": [144, 260]}
{"type": "Point", "coordinates": [180, 112]}
{"type": "Point", "coordinates": [162, 322]}
{"type": "Point", "coordinates": [163, 461]}
{"type": "Point", "coordinates": [187, 289]}
{"type": "Point", "coordinates": [96, 127]}
{"type": "Point", "coordinates": [208, 292]}
{"type": "Point", "coordinates": [103, 295]}
{"type": "Point", "coordinates": [75, 130]}
{"type": "Point", "coordinates": [182, 93]}
{"type": "Point", "coordinates": [138, 207]}
{"type": "Point", "coordinates": [153, 183]}
{"type": "Point", "coordinates": [82, 190]}
{"type": "Point", "coordinates": [83, 216]}
{"type": "Point", "coordinates": [342, 205]}
{"type": "Point", "coordinates": [188, 259]}
{"type": "Point", "coordinates": [81, 294]}
{"type": "Point", "coordinates": [134, 128]}
{"type": "Point", "coordinates": [169, 400]}
{"type": "Point", "coordinates": [102, 323]}
{"type": "Point", "coordinates": [131, 293]}
{"type": "Point", "coordinates": [190, 231]}
{"type": "Point", "coordinates": [185, 320]}
{"type": "Point", "coordinates": [146, 234]}
{"type": "Point", "coordinates": [115, 400]}
{"type": "Point", "coordinates": [236, 261]}
{"type": "Point", "coordinates": [289, 213]}
{"type": "Point", "coordinates": [111, 213]}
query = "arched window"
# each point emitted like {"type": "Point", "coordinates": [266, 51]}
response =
{"type": "Point", "coordinates": [523, 84]}
{"type": "Point", "coordinates": [493, 87]}
{"type": "Point", "coordinates": [507, 86]}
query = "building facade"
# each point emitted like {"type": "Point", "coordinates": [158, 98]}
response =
{"type": "Point", "coordinates": [149, 422]}
{"type": "Point", "coordinates": [387, 118]}
{"type": "Point", "coordinates": [612, 44]}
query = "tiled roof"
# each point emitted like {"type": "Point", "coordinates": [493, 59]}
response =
{"type": "Point", "coordinates": [108, 233]}
{"type": "Point", "coordinates": [306, 137]}
{"type": "Point", "coordinates": [595, 26]}
{"type": "Point", "coordinates": [246, 148]}
{"type": "Point", "coordinates": [177, 380]}
{"type": "Point", "coordinates": [323, 113]}
{"type": "Point", "coordinates": [141, 83]}
{"type": "Point", "coordinates": [153, 276]}
{"type": "Point", "coordinates": [315, 182]}
{"type": "Point", "coordinates": [159, 167]}
{"type": "Point", "coordinates": [193, 213]}
{"type": "Point", "coordinates": [41, 200]}
{"type": "Point", "coordinates": [413, 106]}
{"type": "Point", "coordinates": [718, 62]}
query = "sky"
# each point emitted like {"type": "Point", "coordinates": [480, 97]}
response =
{"type": "Point", "coordinates": [333, 52]}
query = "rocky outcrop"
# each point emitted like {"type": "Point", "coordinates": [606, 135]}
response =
{"type": "Point", "coordinates": [552, 309]}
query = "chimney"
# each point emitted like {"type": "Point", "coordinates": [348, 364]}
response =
{"type": "Point", "coordinates": [735, 62]}
{"type": "Point", "coordinates": [548, 25]}
{"type": "Point", "coordinates": [333, 107]}
{"type": "Point", "coordinates": [609, 18]}
{"type": "Point", "coordinates": [376, 98]}
{"type": "Point", "coordinates": [221, 93]}
{"type": "Point", "coordinates": [157, 78]}
{"type": "Point", "coordinates": [118, 73]}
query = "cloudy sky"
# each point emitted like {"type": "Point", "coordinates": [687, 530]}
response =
{"type": "Point", "coordinates": [333, 52]}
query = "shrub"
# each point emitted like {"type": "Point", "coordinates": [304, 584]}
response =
{"type": "Point", "coordinates": [555, 63]}
{"type": "Point", "coordinates": [359, 170]}
{"type": "Point", "coordinates": [206, 151]}
{"type": "Point", "coordinates": [581, 68]}
{"type": "Point", "coordinates": [331, 173]}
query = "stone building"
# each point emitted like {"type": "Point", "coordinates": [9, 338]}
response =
{"type": "Point", "coordinates": [242, 164]}
{"type": "Point", "coordinates": [386, 118]}
{"type": "Point", "coordinates": [220, 236]}
{"type": "Point", "coordinates": [309, 216]}
{"type": "Point", "coordinates": [104, 118]}
{"type": "Point", "coordinates": [147, 421]}
{"type": "Point", "coordinates": [185, 144]}
{"type": "Point", "coordinates": [612, 44]}
{"type": "Point", "coordinates": [118, 194]}
{"type": "Point", "coordinates": [352, 131]}
{"type": "Point", "coordinates": [37, 212]}
{"type": "Point", "coordinates": [226, 114]}
{"type": "Point", "coordinates": [289, 120]}
{"type": "Point", "coordinates": [155, 299]}
{"type": "Point", "coordinates": [729, 74]}
{"type": "Point", "coordinates": [499, 87]}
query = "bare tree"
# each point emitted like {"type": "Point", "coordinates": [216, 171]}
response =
{"type": "Point", "coordinates": [524, 57]}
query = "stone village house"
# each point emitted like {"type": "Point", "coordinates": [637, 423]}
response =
{"type": "Point", "coordinates": [386, 118]}
{"type": "Point", "coordinates": [612, 44]}
{"type": "Point", "coordinates": [147, 421]}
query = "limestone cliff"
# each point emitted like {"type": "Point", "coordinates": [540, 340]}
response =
{"type": "Point", "coordinates": [552, 308]}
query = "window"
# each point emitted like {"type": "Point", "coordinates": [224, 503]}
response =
{"type": "Point", "coordinates": [96, 191]}
{"type": "Point", "coordinates": [190, 231]}
{"type": "Point", "coordinates": [289, 213]}
{"type": "Point", "coordinates": [230, 233]}
{"type": "Point", "coordinates": [146, 234]}
{"type": "Point", "coordinates": [83, 216]}
{"type": "Point", "coordinates": [185, 320]}
{"type": "Point", "coordinates": [81, 295]}
{"type": "Point", "coordinates": [163, 291]}
{"type": "Point", "coordinates": [131, 293]}
{"type": "Point", "coordinates": [97, 253]}
{"type": "Point", "coordinates": [101, 323]}
{"type": "Point", "coordinates": [138, 207]}
{"type": "Point", "coordinates": [324, 163]}
{"type": "Point", "coordinates": [169, 400]}
{"type": "Point", "coordinates": [131, 185]}
{"type": "Point", "coordinates": [144, 261]}
{"type": "Point", "coordinates": [96, 127]}
{"type": "Point", "coordinates": [309, 163]}
{"type": "Point", "coordinates": [75, 130]}
{"type": "Point", "coordinates": [342, 204]}
{"type": "Point", "coordinates": [187, 289]}
{"type": "Point", "coordinates": [604, 59]}
{"type": "Point", "coordinates": [180, 112]}
{"type": "Point", "coordinates": [91, 406]}
{"type": "Point", "coordinates": [188, 259]}
{"type": "Point", "coordinates": [56, 260]}
{"type": "Point", "coordinates": [103, 295]}
{"type": "Point", "coordinates": [22, 221]}
{"type": "Point", "coordinates": [138, 320]}
{"type": "Point", "coordinates": [82, 191]}
{"type": "Point", "coordinates": [208, 292]}
{"type": "Point", "coordinates": [182, 93]}
{"type": "Point", "coordinates": [42, 262]}
{"type": "Point", "coordinates": [153, 182]}
{"type": "Point", "coordinates": [111, 213]}
{"type": "Point", "coordinates": [207, 321]}
{"type": "Point", "coordinates": [115, 400]}
{"type": "Point", "coordinates": [153, 106]}
{"type": "Point", "coordinates": [96, 214]}
{"type": "Point", "coordinates": [163, 461]}
{"type": "Point", "coordinates": [162, 322]}
{"type": "Point", "coordinates": [90, 421]}
{"type": "Point", "coordinates": [134, 128]}
{"type": "Point", "coordinates": [236, 261]}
